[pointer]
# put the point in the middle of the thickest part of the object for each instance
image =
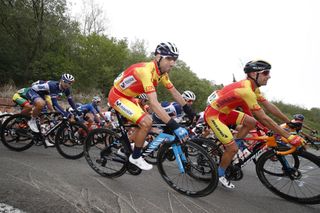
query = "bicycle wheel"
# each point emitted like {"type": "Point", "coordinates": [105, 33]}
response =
{"type": "Point", "coordinates": [211, 146]}
{"type": "Point", "coordinates": [299, 184]}
{"type": "Point", "coordinates": [16, 134]}
{"type": "Point", "coordinates": [3, 118]}
{"type": "Point", "coordinates": [200, 177]}
{"type": "Point", "coordinates": [101, 152]}
{"type": "Point", "coordinates": [70, 139]}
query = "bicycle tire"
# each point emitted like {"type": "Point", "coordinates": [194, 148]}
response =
{"type": "Point", "coordinates": [100, 152]}
{"type": "Point", "coordinates": [211, 146]}
{"type": "Point", "coordinates": [193, 168]}
{"type": "Point", "coordinates": [302, 188]}
{"type": "Point", "coordinates": [16, 134]}
{"type": "Point", "coordinates": [70, 138]}
{"type": "Point", "coordinates": [3, 117]}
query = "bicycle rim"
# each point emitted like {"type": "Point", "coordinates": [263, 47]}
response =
{"type": "Point", "coordinates": [304, 184]}
{"type": "Point", "coordinates": [16, 134]}
{"type": "Point", "coordinates": [200, 177]}
{"type": "Point", "coordinates": [100, 152]}
{"type": "Point", "coordinates": [70, 139]}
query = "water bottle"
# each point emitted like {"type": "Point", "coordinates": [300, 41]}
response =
{"type": "Point", "coordinates": [161, 138]}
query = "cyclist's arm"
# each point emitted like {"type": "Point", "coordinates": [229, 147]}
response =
{"type": "Point", "coordinates": [269, 123]}
{"type": "Point", "coordinates": [273, 109]}
{"type": "Point", "coordinates": [57, 106]}
{"type": "Point", "coordinates": [49, 103]}
{"type": "Point", "coordinates": [177, 96]}
{"type": "Point", "coordinates": [156, 107]}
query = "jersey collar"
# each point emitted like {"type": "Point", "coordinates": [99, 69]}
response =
{"type": "Point", "coordinates": [157, 68]}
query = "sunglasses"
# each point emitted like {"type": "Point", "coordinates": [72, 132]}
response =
{"type": "Point", "coordinates": [265, 72]}
{"type": "Point", "coordinates": [68, 82]}
{"type": "Point", "coordinates": [190, 101]}
{"type": "Point", "coordinates": [170, 58]}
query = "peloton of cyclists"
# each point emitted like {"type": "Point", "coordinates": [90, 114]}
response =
{"type": "Point", "coordinates": [92, 112]}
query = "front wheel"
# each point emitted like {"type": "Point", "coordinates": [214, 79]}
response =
{"type": "Point", "coordinates": [200, 176]}
{"type": "Point", "coordinates": [294, 177]}
{"type": "Point", "coordinates": [70, 139]}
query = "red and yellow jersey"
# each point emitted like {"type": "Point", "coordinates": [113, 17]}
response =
{"type": "Point", "coordinates": [238, 94]}
{"type": "Point", "coordinates": [141, 78]}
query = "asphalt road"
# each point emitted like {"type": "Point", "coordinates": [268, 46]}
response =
{"type": "Point", "coordinates": [40, 180]}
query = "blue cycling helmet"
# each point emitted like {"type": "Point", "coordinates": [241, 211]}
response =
{"type": "Point", "coordinates": [298, 117]}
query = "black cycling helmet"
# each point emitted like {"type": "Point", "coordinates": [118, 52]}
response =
{"type": "Point", "coordinates": [256, 66]}
{"type": "Point", "coordinates": [167, 49]}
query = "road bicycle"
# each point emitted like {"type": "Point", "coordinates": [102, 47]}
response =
{"type": "Point", "coordinates": [17, 135]}
{"type": "Point", "coordinates": [192, 175]}
{"type": "Point", "coordinates": [289, 172]}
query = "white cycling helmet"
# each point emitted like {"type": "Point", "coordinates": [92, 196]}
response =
{"type": "Point", "coordinates": [96, 99]}
{"type": "Point", "coordinates": [188, 95]}
{"type": "Point", "coordinates": [167, 49]}
{"type": "Point", "coordinates": [68, 78]}
{"type": "Point", "coordinates": [143, 96]}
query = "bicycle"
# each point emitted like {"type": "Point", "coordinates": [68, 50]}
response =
{"type": "Point", "coordinates": [17, 136]}
{"type": "Point", "coordinates": [195, 176]}
{"type": "Point", "coordinates": [289, 172]}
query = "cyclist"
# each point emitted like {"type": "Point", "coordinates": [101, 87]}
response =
{"type": "Point", "coordinates": [21, 100]}
{"type": "Point", "coordinates": [143, 78]}
{"type": "Point", "coordinates": [53, 88]}
{"type": "Point", "coordinates": [92, 113]}
{"type": "Point", "coordinates": [245, 94]}
{"type": "Point", "coordinates": [295, 127]}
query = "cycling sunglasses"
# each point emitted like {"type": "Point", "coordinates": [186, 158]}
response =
{"type": "Point", "coordinates": [265, 72]}
{"type": "Point", "coordinates": [67, 82]}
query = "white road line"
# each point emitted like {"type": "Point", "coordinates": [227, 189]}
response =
{"type": "Point", "coordinates": [4, 208]}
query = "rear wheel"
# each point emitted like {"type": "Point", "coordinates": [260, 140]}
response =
{"type": "Point", "coordinates": [16, 134]}
{"type": "Point", "coordinates": [299, 183]}
{"type": "Point", "coordinates": [101, 151]}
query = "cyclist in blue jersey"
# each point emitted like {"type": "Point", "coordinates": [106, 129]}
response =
{"type": "Point", "coordinates": [40, 89]}
{"type": "Point", "coordinates": [92, 109]}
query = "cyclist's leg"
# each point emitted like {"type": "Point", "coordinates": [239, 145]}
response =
{"type": "Point", "coordinates": [223, 133]}
{"type": "Point", "coordinates": [247, 123]}
{"type": "Point", "coordinates": [23, 103]}
{"type": "Point", "coordinates": [127, 108]}
{"type": "Point", "coordinates": [38, 104]}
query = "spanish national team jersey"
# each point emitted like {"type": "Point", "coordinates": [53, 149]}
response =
{"type": "Point", "coordinates": [238, 94]}
{"type": "Point", "coordinates": [141, 78]}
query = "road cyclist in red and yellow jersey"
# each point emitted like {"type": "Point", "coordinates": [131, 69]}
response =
{"type": "Point", "coordinates": [246, 94]}
{"type": "Point", "coordinates": [143, 78]}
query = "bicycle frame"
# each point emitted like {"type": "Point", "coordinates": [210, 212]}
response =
{"type": "Point", "coordinates": [179, 155]}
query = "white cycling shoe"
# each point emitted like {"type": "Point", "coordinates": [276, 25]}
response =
{"type": "Point", "coordinates": [140, 162]}
{"type": "Point", "coordinates": [33, 125]}
{"type": "Point", "coordinates": [226, 183]}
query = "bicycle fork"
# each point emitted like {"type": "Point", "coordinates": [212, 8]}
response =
{"type": "Point", "coordinates": [180, 157]}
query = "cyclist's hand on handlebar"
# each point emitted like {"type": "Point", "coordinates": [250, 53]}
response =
{"type": "Point", "coordinates": [181, 133]}
{"type": "Point", "coordinates": [296, 140]}
{"type": "Point", "coordinates": [315, 132]}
